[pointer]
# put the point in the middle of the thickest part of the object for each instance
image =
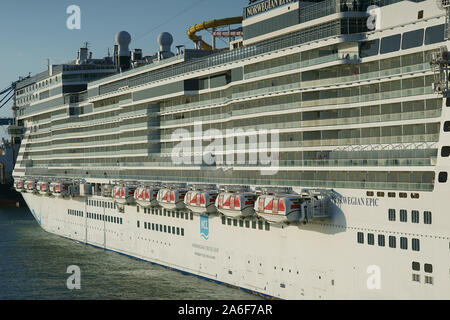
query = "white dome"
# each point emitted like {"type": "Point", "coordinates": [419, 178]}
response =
{"type": "Point", "coordinates": [123, 38]}
{"type": "Point", "coordinates": [165, 39]}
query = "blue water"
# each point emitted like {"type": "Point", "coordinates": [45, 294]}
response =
{"type": "Point", "coordinates": [33, 265]}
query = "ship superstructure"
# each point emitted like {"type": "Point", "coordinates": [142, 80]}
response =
{"type": "Point", "coordinates": [307, 160]}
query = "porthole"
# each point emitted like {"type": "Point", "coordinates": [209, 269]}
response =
{"type": "Point", "coordinates": [447, 125]}
{"type": "Point", "coordinates": [443, 177]}
{"type": "Point", "coordinates": [445, 152]}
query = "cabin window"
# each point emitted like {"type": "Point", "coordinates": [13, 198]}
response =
{"type": "Point", "coordinates": [403, 243]}
{"type": "Point", "coordinates": [415, 216]}
{"type": "Point", "coordinates": [360, 237]}
{"type": "Point", "coordinates": [412, 39]}
{"type": "Point", "coordinates": [403, 215]}
{"type": "Point", "coordinates": [381, 240]}
{"type": "Point", "coordinates": [391, 214]}
{"type": "Point", "coordinates": [369, 48]}
{"type": "Point", "coordinates": [416, 266]}
{"type": "Point", "coordinates": [428, 268]}
{"type": "Point", "coordinates": [427, 217]}
{"type": "Point", "coordinates": [434, 34]}
{"type": "Point", "coordinates": [370, 239]}
{"type": "Point", "coordinates": [390, 44]}
{"type": "Point", "coordinates": [415, 244]}
{"type": "Point", "coordinates": [392, 242]}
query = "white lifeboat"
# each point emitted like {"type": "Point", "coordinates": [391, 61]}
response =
{"type": "Point", "coordinates": [236, 205]}
{"type": "Point", "coordinates": [201, 202]}
{"type": "Point", "coordinates": [123, 194]}
{"type": "Point", "coordinates": [146, 197]}
{"type": "Point", "coordinates": [19, 185]}
{"type": "Point", "coordinates": [59, 189]}
{"type": "Point", "coordinates": [280, 208]}
{"type": "Point", "coordinates": [43, 187]}
{"type": "Point", "coordinates": [30, 186]}
{"type": "Point", "coordinates": [171, 199]}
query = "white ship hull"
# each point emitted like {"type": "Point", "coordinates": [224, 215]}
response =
{"type": "Point", "coordinates": [297, 261]}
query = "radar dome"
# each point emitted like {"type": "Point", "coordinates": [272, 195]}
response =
{"type": "Point", "coordinates": [165, 39]}
{"type": "Point", "coordinates": [123, 38]}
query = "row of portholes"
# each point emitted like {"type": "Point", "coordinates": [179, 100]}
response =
{"type": "Point", "coordinates": [381, 194]}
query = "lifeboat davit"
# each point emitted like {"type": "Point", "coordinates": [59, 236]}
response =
{"type": "Point", "coordinates": [123, 194]}
{"type": "Point", "coordinates": [171, 199]}
{"type": "Point", "coordinates": [146, 197]}
{"type": "Point", "coordinates": [60, 189]}
{"type": "Point", "coordinates": [19, 185]}
{"type": "Point", "coordinates": [30, 186]}
{"type": "Point", "coordinates": [280, 208]}
{"type": "Point", "coordinates": [201, 202]}
{"type": "Point", "coordinates": [236, 205]}
{"type": "Point", "coordinates": [43, 187]}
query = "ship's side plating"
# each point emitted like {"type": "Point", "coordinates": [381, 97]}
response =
{"type": "Point", "coordinates": [357, 117]}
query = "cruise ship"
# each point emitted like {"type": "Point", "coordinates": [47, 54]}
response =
{"type": "Point", "coordinates": [308, 159]}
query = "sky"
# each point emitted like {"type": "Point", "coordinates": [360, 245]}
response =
{"type": "Point", "coordinates": [33, 31]}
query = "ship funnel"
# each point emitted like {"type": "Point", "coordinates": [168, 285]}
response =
{"type": "Point", "coordinates": [123, 40]}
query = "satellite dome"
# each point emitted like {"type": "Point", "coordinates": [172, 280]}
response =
{"type": "Point", "coordinates": [165, 39]}
{"type": "Point", "coordinates": [123, 38]}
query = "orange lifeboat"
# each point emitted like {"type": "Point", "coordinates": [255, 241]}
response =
{"type": "Point", "coordinates": [236, 205]}
{"type": "Point", "coordinates": [19, 185]}
{"type": "Point", "coordinates": [123, 194]}
{"type": "Point", "coordinates": [201, 202]}
{"type": "Point", "coordinates": [146, 197]}
{"type": "Point", "coordinates": [171, 199]}
{"type": "Point", "coordinates": [30, 186]}
{"type": "Point", "coordinates": [280, 208]}
{"type": "Point", "coordinates": [60, 189]}
{"type": "Point", "coordinates": [43, 187]}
